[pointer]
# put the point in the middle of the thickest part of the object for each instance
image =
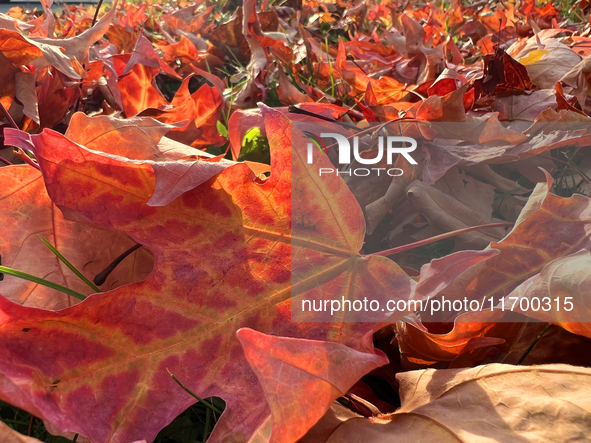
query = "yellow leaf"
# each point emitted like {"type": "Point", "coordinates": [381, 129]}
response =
{"type": "Point", "coordinates": [533, 57]}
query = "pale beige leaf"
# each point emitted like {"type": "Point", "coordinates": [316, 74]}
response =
{"type": "Point", "coordinates": [576, 82]}
{"type": "Point", "coordinates": [547, 61]}
{"type": "Point", "coordinates": [9, 435]}
{"type": "Point", "coordinates": [560, 293]}
{"type": "Point", "coordinates": [492, 403]}
{"type": "Point", "coordinates": [26, 93]}
{"type": "Point", "coordinates": [8, 22]}
{"type": "Point", "coordinates": [77, 47]}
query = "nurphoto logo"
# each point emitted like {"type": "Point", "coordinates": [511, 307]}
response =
{"type": "Point", "coordinates": [387, 145]}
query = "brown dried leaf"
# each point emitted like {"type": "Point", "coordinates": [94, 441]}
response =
{"type": "Point", "coordinates": [524, 107]}
{"type": "Point", "coordinates": [467, 190]}
{"type": "Point", "coordinates": [448, 214]}
{"type": "Point", "coordinates": [494, 402]}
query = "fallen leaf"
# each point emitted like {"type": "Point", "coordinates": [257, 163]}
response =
{"type": "Point", "coordinates": [123, 39]}
{"type": "Point", "coordinates": [484, 173]}
{"type": "Point", "coordinates": [77, 47]}
{"type": "Point", "coordinates": [47, 27]}
{"type": "Point", "coordinates": [42, 52]}
{"type": "Point", "coordinates": [576, 82]}
{"type": "Point", "coordinates": [8, 435]}
{"type": "Point", "coordinates": [202, 109]}
{"type": "Point", "coordinates": [547, 60]}
{"type": "Point", "coordinates": [28, 212]}
{"type": "Point", "coordinates": [548, 228]}
{"type": "Point", "coordinates": [213, 248]}
{"type": "Point", "coordinates": [144, 54]}
{"type": "Point", "coordinates": [26, 94]}
{"type": "Point", "coordinates": [215, 81]}
{"type": "Point", "coordinates": [184, 50]}
{"type": "Point", "coordinates": [556, 345]}
{"type": "Point", "coordinates": [472, 332]}
{"type": "Point", "coordinates": [288, 93]}
{"type": "Point", "coordinates": [335, 416]}
{"type": "Point", "coordinates": [503, 73]}
{"type": "Point", "coordinates": [468, 191]}
{"type": "Point", "coordinates": [18, 49]}
{"type": "Point", "coordinates": [140, 141]}
{"type": "Point", "coordinates": [386, 91]}
{"type": "Point", "coordinates": [376, 210]}
{"type": "Point", "coordinates": [479, 154]}
{"type": "Point", "coordinates": [524, 107]}
{"type": "Point", "coordinates": [561, 289]}
{"type": "Point", "coordinates": [13, 24]}
{"type": "Point", "coordinates": [139, 92]}
{"type": "Point", "coordinates": [448, 81]}
{"type": "Point", "coordinates": [8, 88]}
{"type": "Point", "coordinates": [501, 399]}
{"type": "Point", "coordinates": [229, 35]}
{"type": "Point", "coordinates": [277, 362]}
{"type": "Point", "coordinates": [56, 95]}
{"type": "Point", "coordinates": [449, 214]}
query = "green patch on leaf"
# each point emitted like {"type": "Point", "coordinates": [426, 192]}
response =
{"type": "Point", "coordinates": [255, 147]}
{"type": "Point", "coordinates": [222, 129]}
{"type": "Point", "coordinates": [273, 97]}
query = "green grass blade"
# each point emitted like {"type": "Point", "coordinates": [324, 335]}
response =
{"type": "Point", "coordinates": [332, 82]}
{"type": "Point", "coordinates": [532, 344]}
{"type": "Point", "coordinates": [206, 426]}
{"type": "Point", "coordinates": [70, 265]}
{"type": "Point", "coordinates": [206, 403]}
{"type": "Point", "coordinates": [41, 281]}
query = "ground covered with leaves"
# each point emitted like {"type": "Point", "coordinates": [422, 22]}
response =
{"type": "Point", "coordinates": [154, 201]}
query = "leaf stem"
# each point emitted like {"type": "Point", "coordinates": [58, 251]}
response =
{"type": "Point", "coordinates": [40, 281]}
{"type": "Point", "coordinates": [8, 117]}
{"type": "Point", "coordinates": [554, 159]}
{"type": "Point", "coordinates": [403, 248]}
{"type": "Point", "coordinates": [206, 403]}
{"type": "Point", "coordinates": [533, 343]}
{"type": "Point", "coordinates": [101, 277]}
{"type": "Point", "coordinates": [98, 7]}
{"type": "Point", "coordinates": [295, 110]}
{"type": "Point", "coordinates": [70, 265]}
{"type": "Point", "coordinates": [24, 157]}
{"type": "Point", "coordinates": [6, 162]}
{"type": "Point", "coordinates": [376, 129]}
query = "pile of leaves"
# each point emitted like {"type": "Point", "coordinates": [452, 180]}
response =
{"type": "Point", "coordinates": [153, 147]}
